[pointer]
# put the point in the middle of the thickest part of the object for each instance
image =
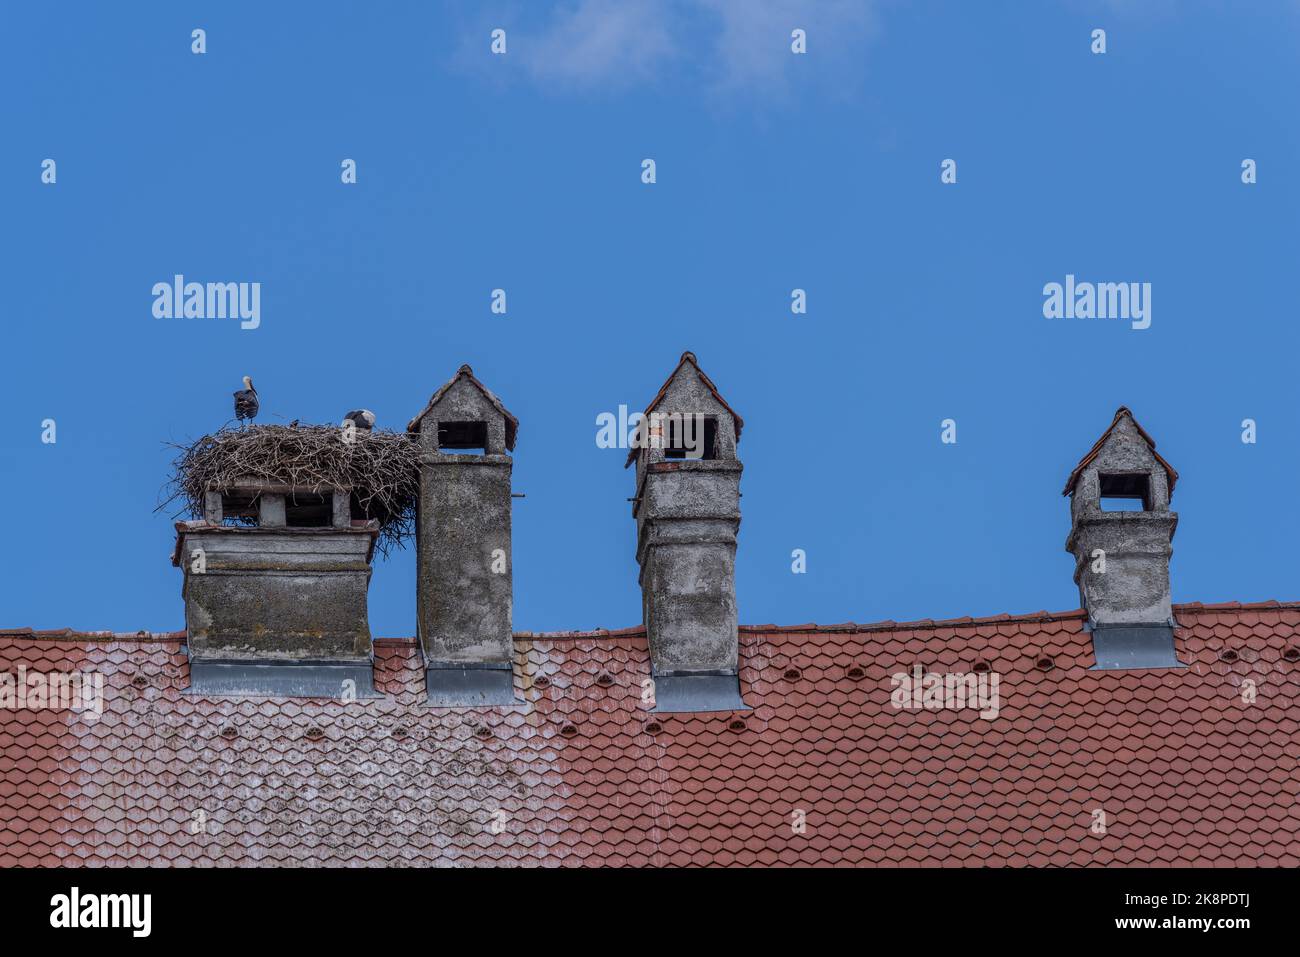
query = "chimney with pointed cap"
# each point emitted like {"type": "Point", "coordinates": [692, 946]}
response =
{"type": "Point", "coordinates": [1122, 555]}
{"type": "Point", "coordinates": [687, 511]}
{"type": "Point", "coordinates": [464, 577]}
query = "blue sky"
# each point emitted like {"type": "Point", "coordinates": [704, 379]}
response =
{"type": "Point", "coordinates": [775, 172]}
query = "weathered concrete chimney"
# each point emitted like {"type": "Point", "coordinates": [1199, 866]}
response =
{"type": "Point", "coordinates": [465, 580]}
{"type": "Point", "coordinates": [277, 607]}
{"type": "Point", "coordinates": [687, 511]}
{"type": "Point", "coordinates": [1121, 534]}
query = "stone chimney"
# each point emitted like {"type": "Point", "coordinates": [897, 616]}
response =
{"type": "Point", "coordinates": [465, 579]}
{"type": "Point", "coordinates": [687, 511]}
{"type": "Point", "coordinates": [1121, 533]}
{"type": "Point", "coordinates": [276, 605]}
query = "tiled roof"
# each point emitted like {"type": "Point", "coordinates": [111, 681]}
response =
{"type": "Point", "coordinates": [1183, 768]}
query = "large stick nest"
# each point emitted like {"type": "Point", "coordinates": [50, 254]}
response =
{"type": "Point", "coordinates": [381, 468]}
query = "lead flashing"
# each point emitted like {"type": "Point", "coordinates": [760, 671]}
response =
{"type": "Point", "coordinates": [470, 686]}
{"type": "Point", "coordinates": [283, 679]}
{"type": "Point", "coordinates": [698, 693]}
{"type": "Point", "coordinates": [1126, 647]}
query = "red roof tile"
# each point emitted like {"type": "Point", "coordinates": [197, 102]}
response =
{"type": "Point", "coordinates": [1182, 768]}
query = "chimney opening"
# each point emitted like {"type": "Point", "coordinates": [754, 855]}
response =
{"type": "Point", "coordinates": [239, 508]}
{"type": "Point", "coordinates": [683, 438]}
{"type": "Point", "coordinates": [471, 437]}
{"type": "Point", "coordinates": [1125, 492]}
{"type": "Point", "coordinates": [309, 510]}
{"type": "Point", "coordinates": [1228, 656]}
{"type": "Point", "coordinates": [1292, 654]}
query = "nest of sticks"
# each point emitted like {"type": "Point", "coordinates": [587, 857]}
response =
{"type": "Point", "coordinates": [381, 468]}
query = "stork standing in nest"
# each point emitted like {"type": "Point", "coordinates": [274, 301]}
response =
{"type": "Point", "coordinates": [246, 401]}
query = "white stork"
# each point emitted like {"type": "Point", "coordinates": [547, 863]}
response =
{"type": "Point", "coordinates": [362, 419]}
{"type": "Point", "coordinates": [246, 401]}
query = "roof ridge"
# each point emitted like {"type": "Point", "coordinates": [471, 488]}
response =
{"type": "Point", "coordinates": [637, 631]}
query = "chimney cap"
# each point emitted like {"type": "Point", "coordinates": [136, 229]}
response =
{"type": "Point", "coordinates": [1087, 460]}
{"type": "Point", "coordinates": [688, 356]}
{"type": "Point", "coordinates": [465, 372]}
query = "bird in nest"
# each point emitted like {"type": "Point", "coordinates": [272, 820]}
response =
{"type": "Point", "coordinates": [362, 419]}
{"type": "Point", "coordinates": [246, 402]}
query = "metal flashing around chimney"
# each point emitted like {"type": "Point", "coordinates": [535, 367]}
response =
{"type": "Point", "coordinates": [344, 680]}
{"type": "Point", "coordinates": [480, 686]}
{"type": "Point", "coordinates": [463, 553]}
{"type": "Point", "coordinates": [687, 512]}
{"type": "Point", "coordinates": [1122, 647]}
{"type": "Point", "coordinates": [698, 693]}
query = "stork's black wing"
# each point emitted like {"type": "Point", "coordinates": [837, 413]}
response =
{"type": "Point", "coordinates": [245, 404]}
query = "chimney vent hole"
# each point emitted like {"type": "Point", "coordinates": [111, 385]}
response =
{"type": "Point", "coordinates": [1126, 492]}
{"type": "Point", "coordinates": [1228, 656]}
{"type": "Point", "coordinates": [471, 437]}
{"type": "Point", "coordinates": [309, 510]}
{"type": "Point", "coordinates": [1292, 654]}
{"type": "Point", "coordinates": [683, 439]}
{"type": "Point", "coordinates": [1045, 663]}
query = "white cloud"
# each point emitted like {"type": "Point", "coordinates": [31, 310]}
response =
{"type": "Point", "coordinates": [727, 46]}
{"type": "Point", "coordinates": [599, 42]}
{"type": "Point", "coordinates": [753, 49]}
